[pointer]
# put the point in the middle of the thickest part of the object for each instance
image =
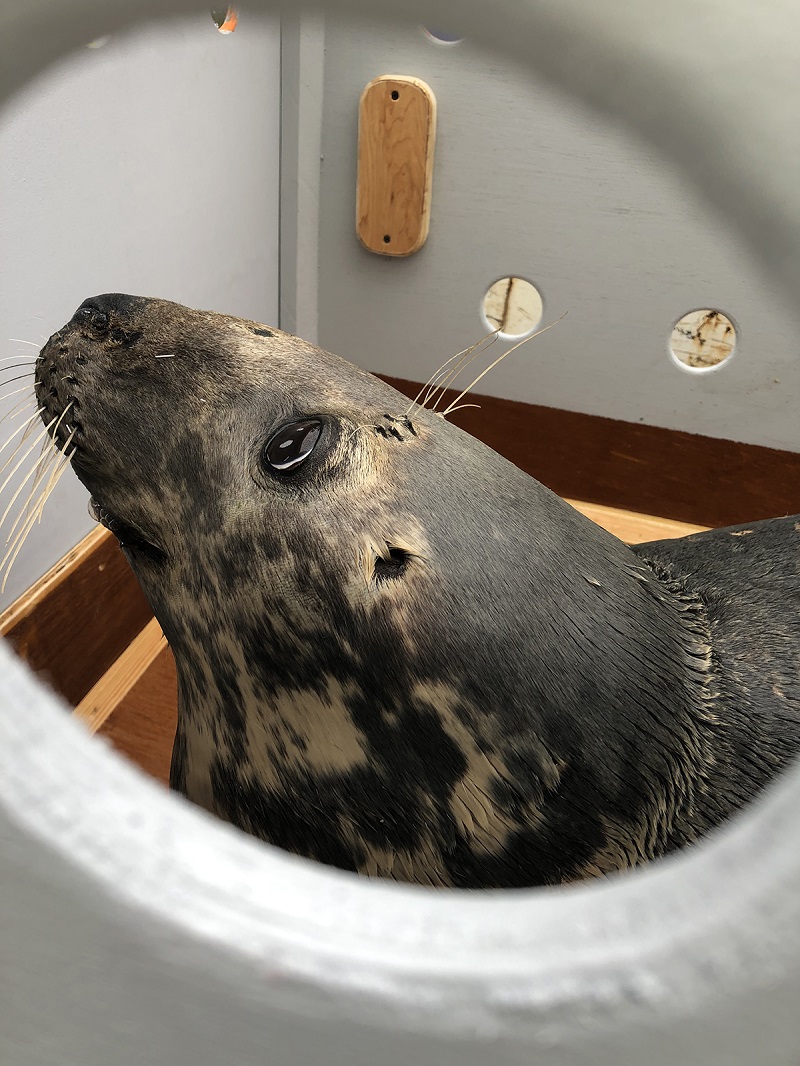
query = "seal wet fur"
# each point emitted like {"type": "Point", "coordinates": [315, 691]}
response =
{"type": "Point", "coordinates": [399, 654]}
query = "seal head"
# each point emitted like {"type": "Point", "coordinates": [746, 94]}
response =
{"type": "Point", "coordinates": [396, 652]}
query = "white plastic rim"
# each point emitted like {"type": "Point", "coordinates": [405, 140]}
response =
{"type": "Point", "coordinates": [693, 960]}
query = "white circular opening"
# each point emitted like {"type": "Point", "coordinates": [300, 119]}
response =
{"type": "Point", "coordinates": [513, 307]}
{"type": "Point", "coordinates": [437, 36]}
{"type": "Point", "coordinates": [702, 340]}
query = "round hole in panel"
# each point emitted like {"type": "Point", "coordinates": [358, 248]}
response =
{"type": "Point", "coordinates": [441, 36]}
{"type": "Point", "coordinates": [513, 306]}
{"type": "Point", "coordinates": [702, 340]}
{"type": "Point", "coordinates": [225, 19]}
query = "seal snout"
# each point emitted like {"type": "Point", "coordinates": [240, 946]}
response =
{"type": "Point", "coordinates": [101, 310]}
{"type": "Point", "coordinates": [73, 357]}
{"type": "Point", "coordinates": [107, 319]}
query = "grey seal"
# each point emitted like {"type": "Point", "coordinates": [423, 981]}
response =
{"type": "Point", "coordinates": [396, 652]}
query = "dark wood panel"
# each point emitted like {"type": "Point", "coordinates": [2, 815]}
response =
{"type": "Point", "coordinates": [79, 618]}
{"type": "Point", "coordinates": [657, 471]}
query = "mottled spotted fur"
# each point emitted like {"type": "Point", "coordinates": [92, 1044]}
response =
{"type": "Point", "coordinates": [408, 658]}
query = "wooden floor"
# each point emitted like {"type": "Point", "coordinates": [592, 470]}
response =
{"type": "Point", "coordinates": [134, 704]}
{"type": "Point", "coordinates": [634, 528]}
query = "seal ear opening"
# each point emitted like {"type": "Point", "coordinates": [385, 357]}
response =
{"type": "Point", "coordinates": [383, 561]}
{"type": "Point", "coordinates": [391, 565]}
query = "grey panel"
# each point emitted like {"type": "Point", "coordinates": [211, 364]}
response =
{"type": "Point", "coordinates": [149, 165]}
{"type": "Point", "coordinates": [528, 182]}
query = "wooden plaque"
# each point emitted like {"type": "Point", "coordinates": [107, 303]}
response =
{"type": "Point", "coordinates": [396, 133]}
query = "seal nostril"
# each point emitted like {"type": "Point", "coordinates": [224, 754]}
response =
{"type": "Point", "coordinates": [392, 566]}
{"type": "Point", "coordinates": [54, 394]}
{"type": "Point", "coordinates": [81, 360]}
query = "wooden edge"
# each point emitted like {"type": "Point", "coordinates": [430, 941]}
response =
{"type": "Point", "coordinates": [704, 481]}
{"type": "Point", "coordinates": [119, 679]}
{"type": "Point", "coordinates": [80, 617]}
{"type": "Point", "coordinates": [632, 527]}
{"type": "Point", "coordinates": [46, 586]}
{"type": "Point", "coordinates": [143, 723]}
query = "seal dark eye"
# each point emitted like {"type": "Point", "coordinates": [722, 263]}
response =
{"type": "Point", "coordinates": [292, 445]}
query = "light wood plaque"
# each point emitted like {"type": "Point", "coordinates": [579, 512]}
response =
{"type": "Point", "coordinates": [396, 134]}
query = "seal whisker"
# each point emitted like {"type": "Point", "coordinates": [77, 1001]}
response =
{"type": "Point", "coordinates": [62, 462]}
{"type": "Point", "coordinates": [37, 467]}
{"type": "Point", "coordinates": [13, 500]}
{"type": "Point", "coordinates": [442, 386]}
{"type": "Point", "coordinates": [500, 358]}
{"type": "Point", "coordinates": [19, 540]}
{"type": "Point", "coordinates": [21, 340]}
{"type": "Point", "coordinates": [19, 377]}
{"type": "Point", "coordinates": [20, 364]}
{"type": "Point", "coordinates": [69, 406]}
{"type": "Point", "coordinates": [52, 436]}
{"type": "Point", "coordinates": [22, 535]}
{"type": "Point", "coordinates": [12, 362]}
{"type": "Point", "coordinates": [28, 429]}
{"type": "Point", "coordinates": [47, 455]}
{"type": "Point", "coordinates": [25, 456]}
{"type": "Point", "coordinates": [20, 410]}
{"type": "Point", "coordinates": [460, 407]}
{"type": "Point", "coordinates": [443, 375]}
{"type": "Point", "coordinates": [360, 429]}
{"type": "Point", "coordinates": [9, 366]}
{"type": "Point", "coordinates": [20, 403]}
{"type": "Point", "coordinates": [40, 468]}
{"type": "Point", "coordinates": [24, 428]}
{"type": "Point", "coordinates": [433, 381]}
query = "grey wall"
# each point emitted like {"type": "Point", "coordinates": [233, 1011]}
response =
{"type": "Point", "coordinates": [150, 166]}
{"type": "Point", "coordinates": [528, 182]}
